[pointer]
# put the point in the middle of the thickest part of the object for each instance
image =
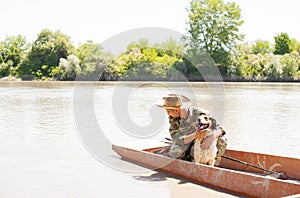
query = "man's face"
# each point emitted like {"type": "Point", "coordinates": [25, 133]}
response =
{"type": "Point", "coordinates": [175, 113]}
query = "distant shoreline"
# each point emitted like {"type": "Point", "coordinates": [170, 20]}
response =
{"type": "Point", "coordinates": [226, 80]}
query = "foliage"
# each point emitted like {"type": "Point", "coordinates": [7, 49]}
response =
{"type": "Point", "coordinates": [13, 49]}
{"type": "Point", "coordinates": [290, 64]}
{"type": "Point", "coordinates": [259, 66]}
{"type": "Point", "coordinates": [68, 68]}
{"type": "Point", "coordinates": [171, 47]}
{"type": "Point", "coordinates": [261, 47]}
{"type": "Point", "coordinates": [53, 57]}
{"type": "Point", "coordinates": [282, 44]}
{"type": "Point", "coordinates": [144, 62]}
{"type": "Point", "coordinates": [295, 45]}
{"type": "Point", "coordinates": [213, 26]}
{"type": "Point", "coordinates": [269, 66]}
{"type": "Point", "coordinates": [45, 53]}
{"type": "Point", "coordinates": [86, 49]}
{"type": "Point", "coordinates": [141, 44]}
{"type": "Point", "coordinates": [93, 60]}
{"type": "Point", "coordinates": [6, 68]}
{"type": "Point", "coordinates": [187, 69]}
{"type": "Point", "coordinates": [244, 49]}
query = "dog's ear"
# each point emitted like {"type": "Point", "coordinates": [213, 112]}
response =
{"type": "Point", "coordinates": [201, 113]}
{"type": "Point", "coordinates": [214, 123]}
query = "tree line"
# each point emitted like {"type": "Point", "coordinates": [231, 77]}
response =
{"type": "Point", "coordinates": [212, 36]}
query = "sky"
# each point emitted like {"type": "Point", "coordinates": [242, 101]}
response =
{"type": "Point", "coordinates": [101, 20]}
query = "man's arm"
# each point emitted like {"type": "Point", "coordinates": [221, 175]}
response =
{"type": "Point", "coordinates": [196, 135]}
{"type": "Point", "coordinates": [207, 142]}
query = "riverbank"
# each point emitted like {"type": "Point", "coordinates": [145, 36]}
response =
{"type": "Point", "coordinates": [10, 78]}
{"type": "Point", "coordinates": [227, 79]}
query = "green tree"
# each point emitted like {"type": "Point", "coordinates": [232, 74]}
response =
{"type": "Point", "coordinates": [295, 46]}
{"type": "Point", "coordinates": [86, 49]}
{"type": "Point", "coordinates": [45, 53]}
{"type": "Point", "coordinates": [141, 44]}
{"type": "Point", "coordinates": [213, 26]}
{"type": "Point", "coordinates": [261, 47]}
{"type": "Point", "coordinates": [282, 44]}
{"type": "Point", "coordinates": [6, 68]}
{"type": "Point", "coordinates": [13, 48]}
{"type": "Point", "coordinates": [92, 59]}
{"type": "Point", "coordinates": [238, 60]}
{"type": "Point", "coordinates": [290, 64]}
{"type": "Point", "coordinates": [172, 47]}
{"type": "Point", "coordinates": [144, 62]}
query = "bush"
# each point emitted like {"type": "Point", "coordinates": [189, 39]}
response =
{"type": "Point", "coordinates": [144, 64]}
{"type": "Point", "coordinates": [290, 64]}
{"type": "Point", "coordinates": [68, 68]}
{"type": "Point", "coordinates": [6, 69]}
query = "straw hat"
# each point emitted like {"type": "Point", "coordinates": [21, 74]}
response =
{"type": "Point", "coordinates": [174, 101]}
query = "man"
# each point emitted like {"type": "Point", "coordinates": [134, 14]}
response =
{"type": "Point", "coordinates": [182, 119]}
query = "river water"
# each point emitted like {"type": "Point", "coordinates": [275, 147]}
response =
{"type": "Point", "coordinates": [49, 133]}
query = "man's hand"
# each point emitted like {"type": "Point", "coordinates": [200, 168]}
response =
{"type": "Point", "coordinates": [207, 142]}
{"type": "Point", "coordinates": [200, 134]}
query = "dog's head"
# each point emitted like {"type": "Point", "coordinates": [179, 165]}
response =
{"type": "Point", "coordinates": [206, 122]}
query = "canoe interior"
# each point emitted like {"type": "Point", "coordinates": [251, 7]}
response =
{"type": "Point", "coordinates": [289, 166]}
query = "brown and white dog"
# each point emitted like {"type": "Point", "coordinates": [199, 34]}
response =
{"type": "Point", "coordinates": [205, 156]}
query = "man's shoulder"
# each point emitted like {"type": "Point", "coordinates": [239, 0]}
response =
{"type": "Point", "coordinates": [173, 120]}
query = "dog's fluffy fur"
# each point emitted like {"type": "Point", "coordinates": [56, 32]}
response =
{"type": "Point", "coordinates": [205, 156]}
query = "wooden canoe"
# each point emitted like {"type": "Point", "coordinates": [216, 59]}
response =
{"type": "Point", "coordinates": [230, 175]}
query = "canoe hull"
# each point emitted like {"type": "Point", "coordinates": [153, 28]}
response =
{"type": "Point", "coordinates": [223, 178]}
